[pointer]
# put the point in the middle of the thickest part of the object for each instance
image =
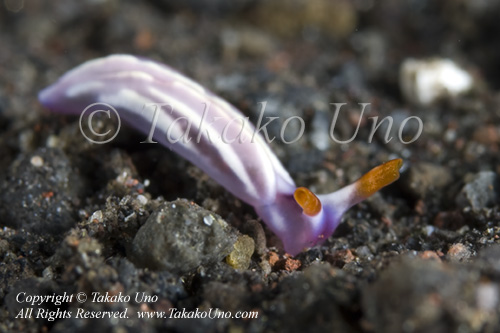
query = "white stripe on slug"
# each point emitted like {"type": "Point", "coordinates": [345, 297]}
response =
{"type": "Point", "coordinates": [137, 75]}
{"type": "Point", "coordinates": [227, 152]}
{"type": "Point", "coordinates": [173, 75]}
{"type": "Point", "coordinates": [83, 88]}
{"type": "Point", "coordinates": [125, 99]}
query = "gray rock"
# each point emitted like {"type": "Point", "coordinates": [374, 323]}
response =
{"type": "Point", "coordinates": [422, 296]}
{"type": "Point", "coordinates": [488, 261]}
{"type": "Point", "coordinates": [424, 178]}
{"type": "Point", "coordinates": [41, 192]}
{"type": "Point", "coordinates": [312, 301]}
{"type": "Point", "coordinates": [180, 236]}
{"type": "Point", "coordinates": [480, 191]}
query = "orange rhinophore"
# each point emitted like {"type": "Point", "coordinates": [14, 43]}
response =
{"type": "Point", "coordinates": [378, 177]}
{"type": "Point", "coordinates": [308, 201]}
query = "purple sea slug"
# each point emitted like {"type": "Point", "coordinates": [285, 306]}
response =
{"type": "Point", "coordinates": [244, 164]}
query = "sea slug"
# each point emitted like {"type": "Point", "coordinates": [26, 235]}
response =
{"type": "Point", "coordinates": [244, 163]}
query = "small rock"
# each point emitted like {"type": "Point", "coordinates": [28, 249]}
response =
{"type": "Point", "coordinates": [4, 247]}
{"type": "Point", "coordinates": [424, 82]}
{"type": "Point", "coordinates": [241, 255]}
{"type": "Point", "coordinates": [429, 255]}
{"type": "Point", "coordinates": [340, 258]}
{"type": "Point", "coordinates": [244, 40]}
{"type": "Point", "coordinates": [487, 296]}
{"type": "Point", "coordinates": [288, 264]}
{"type": "Point", "coordinates": [320, 137]}
{"type": "Point", "coordinates": [488, 260]}
{"type": "Point", "coordinates": [177, 238]}
{"type": "Point", "coordinates": [255, 230]}
{"type": "Point", "coordinates": [273, 258]}
{"type": "Point", "coordinates": [459, 252]}
{"type": "Point", "coordinates": [36, 161]}
{"type": "Point", "coordinates": [425, 177]}
{"type": "Point", "coordinates": [480, 191]}
{"type": "Point", "coordinates": [487, 134]}
{"type": "Point", "coordinates": [290, 17]}
{"type": "Point", "coordinates": [364, 252]}
{"type": "Point", "coordinates": [449, 220]}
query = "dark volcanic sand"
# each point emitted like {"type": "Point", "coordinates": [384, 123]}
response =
{"type": "Point", "coordinates": [419, 256]}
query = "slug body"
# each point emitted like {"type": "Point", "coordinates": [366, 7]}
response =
{"type": "Point", "coordinates": [192, 121]}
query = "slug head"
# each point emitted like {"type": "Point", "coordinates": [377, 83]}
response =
{"type": "Point", "coordinates": [304, 219]}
